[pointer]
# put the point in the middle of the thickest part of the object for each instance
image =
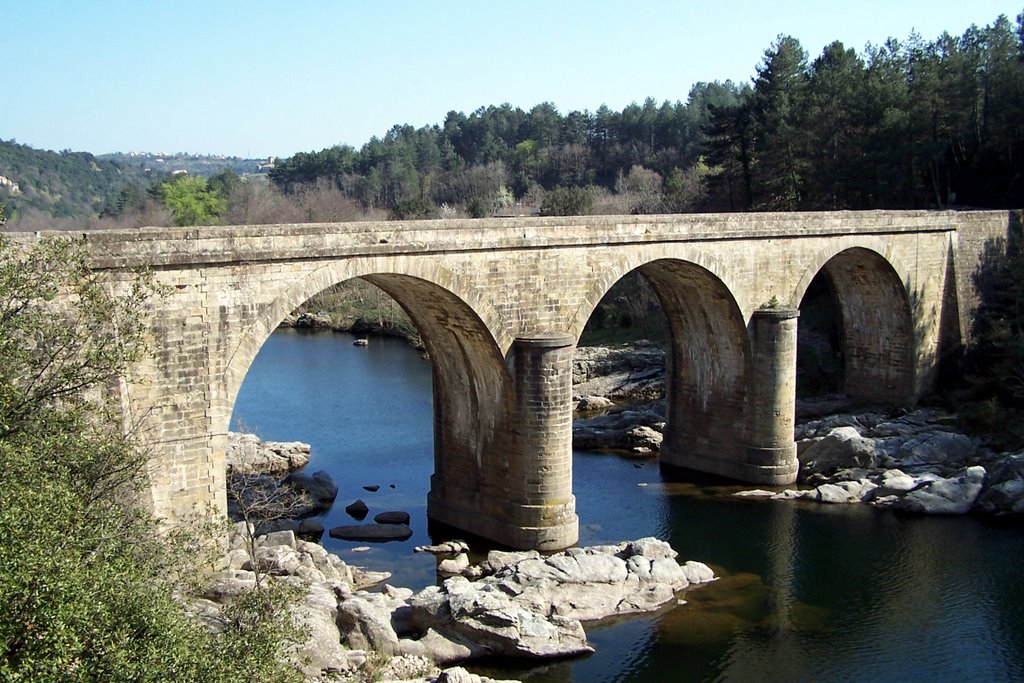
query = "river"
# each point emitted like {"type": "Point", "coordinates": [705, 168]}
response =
{"type": "Point", "coordinates": [808, 593]}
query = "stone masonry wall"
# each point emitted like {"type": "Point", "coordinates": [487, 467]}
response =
{"type": "Point", "coordinates": [474, 286]}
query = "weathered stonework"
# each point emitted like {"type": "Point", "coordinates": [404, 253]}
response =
{"type": "Point", "coordinates": [500, 304]}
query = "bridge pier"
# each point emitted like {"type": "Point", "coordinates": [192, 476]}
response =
{"type": "Point", "coordinates": [759, 447]}
{"type": "Point", "coordinates": [771, 451]}
{"type": "Point", "coordinates": [528, 503]}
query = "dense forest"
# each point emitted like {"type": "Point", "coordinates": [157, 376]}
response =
{"type": "Point", "coordinates": [909, 124]}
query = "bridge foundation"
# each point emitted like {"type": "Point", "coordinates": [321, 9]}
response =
{"type": "Point", "coordinates": [531, 505]}
{"type": "Point", "coordinates": [760, 449]}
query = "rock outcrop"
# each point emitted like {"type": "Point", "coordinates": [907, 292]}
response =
{"type": "Point", "coordinates": [632, 372]}
{"type": "Point", "coordinates": [916, 463]}
{"type": "Point", "coordinates": [525, 605]}
{"type": "Point", "coordinates": [249, 454]}
{"type": "Point", "coordinates": [637, 430]}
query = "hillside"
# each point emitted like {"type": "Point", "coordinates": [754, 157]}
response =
{"type": "Point", "coordinates": [38, 183]}
{"type": "Point", "coordinates": [42, 189]}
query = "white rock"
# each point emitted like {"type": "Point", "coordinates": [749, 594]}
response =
{"type": "Point", "coordinates": [755, 493]}
{"type": "Point", "coordinates": [697, 572]}
{"type": "Point", "coordinates": [953, 496]}
{"type": "Point", "coordinates": [454, 565]}
{"type": "Point", "coordinates": [843, 448]}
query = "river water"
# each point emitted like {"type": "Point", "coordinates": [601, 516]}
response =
{"type": "Point", "coordinates": [808, 593]}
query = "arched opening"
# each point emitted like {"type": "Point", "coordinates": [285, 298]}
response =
{"type": "Point", "coordinates": [856, 331]}
{"type": "Point", "coordinates": [819, 369]}
{"type": "Point", "coordinates": [407, 424]}
{"type": "Point", "coordinates": [706, 359]}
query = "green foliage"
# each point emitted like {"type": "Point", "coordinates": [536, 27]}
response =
{"type": "Point", "coordinates": [630, 310]}
{"type": "Point", "coordinates": [418, 207]}
{"type": "Point", "coordinates": [89, 583]}
{"type": "Point", "coordinates": [909, 124]}
{"type": "Point", "coordinates": [568, 201]}
{"type": "Point", "coordinates": [191, 201]}
{"type": "Point", "coordinates": [904, 125]}
{"type": "Point", "coordinates": [223, 183]}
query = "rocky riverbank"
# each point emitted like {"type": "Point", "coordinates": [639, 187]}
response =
{"type": "Point", "coordinates": [619, 393]}
{"type": "Point", "coordinates": [916, 462]}
{"type": "Point", "coordinates": [513, 604]}
{"type": "Point", "coordinates": [401, 329]}
{"type": "Point", "coordinates": [520, 604]}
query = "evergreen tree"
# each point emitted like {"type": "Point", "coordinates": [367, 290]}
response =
{"type": "Point", "coordinates": [780, 142]}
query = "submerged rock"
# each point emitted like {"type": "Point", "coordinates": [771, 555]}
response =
{"type": "Point", "coordinates": [392, 517]}
{"type": "Point", "coordinates": [357, 509]}
{"type": "Point", "coordinates": [319, 486]}
{"type": "Point", "coordinates": [372, 532]}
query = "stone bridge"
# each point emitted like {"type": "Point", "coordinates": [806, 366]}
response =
{"type": "Point", "coordinates": [501, 303]}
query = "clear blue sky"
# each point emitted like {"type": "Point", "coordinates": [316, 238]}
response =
{"type": "Point", "coordinates": [254, 78]}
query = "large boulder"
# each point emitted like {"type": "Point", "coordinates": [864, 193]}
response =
{"type": "Point", "coordinates": [589, 404]}
{"type": "Point", "coordinates": [526, 605]}
{"type": "Point", "coordinates": [597, 582]}
{"type": "Point", "coordinates": [638, 430]}
{"type": "Point", "coordinates": [1004, 491]}
{"type": "Point", "coordinates": [319, 487]}
{"type": "Point", "coordinates": [953, 496]}
{"type": "Point", "coordinates": [248, 454]}
{"type": "Point", "coordinates": [842, 448]}
{"type": "Point", "coordinates": [940, 451]}
{"type": "Point", "coordinates": [392, 517]}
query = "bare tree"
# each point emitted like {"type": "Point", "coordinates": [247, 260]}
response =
{"type": "Point", "coordinates": [259, 500]}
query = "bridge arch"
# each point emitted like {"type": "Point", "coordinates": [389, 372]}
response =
{"type": "Point", "coordinates": [708, 365]}
{"type": "Point", "coordinates": [876, 329]}
{"type": "Point", "coordinates": [473, 402]}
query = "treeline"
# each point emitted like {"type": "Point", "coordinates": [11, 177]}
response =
{"type": "Point", "coordinates": [906, 124]}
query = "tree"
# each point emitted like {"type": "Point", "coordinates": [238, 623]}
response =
{"type": "Point", "coordinates": [568, 201]}
{"type": "Point", "coordinates": [191, 200]}
{"type": "Point", "coordinates": [779, 92]}
{"type": "Point", "coordinates": [88, 586]}
{"type": "Point", "coordinates": [224, 183]}
{"type": "Point", "coordinates": [641, 188]}
{"type": "Point", "coordinates": [834, 126]}
{"type": "Point", "coordinates": [258, 500]}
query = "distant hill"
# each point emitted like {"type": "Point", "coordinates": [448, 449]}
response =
{"type": "Point", "coordinates": [43, 189]}
{"type": "Point", "coordinates": [58, 184]}
{"type": "Point", "coordinates": [195, 164]}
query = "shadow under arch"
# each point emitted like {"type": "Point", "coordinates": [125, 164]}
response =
{"type": "Point", "coordinates": [875, 326]}
{"type": "Point", "coordinates": [708, 369]}
{"type": "Point", "coordinates": [473, 395]}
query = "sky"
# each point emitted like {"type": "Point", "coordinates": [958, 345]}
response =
{"type": "Point", "coordinates": [259, 79]}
